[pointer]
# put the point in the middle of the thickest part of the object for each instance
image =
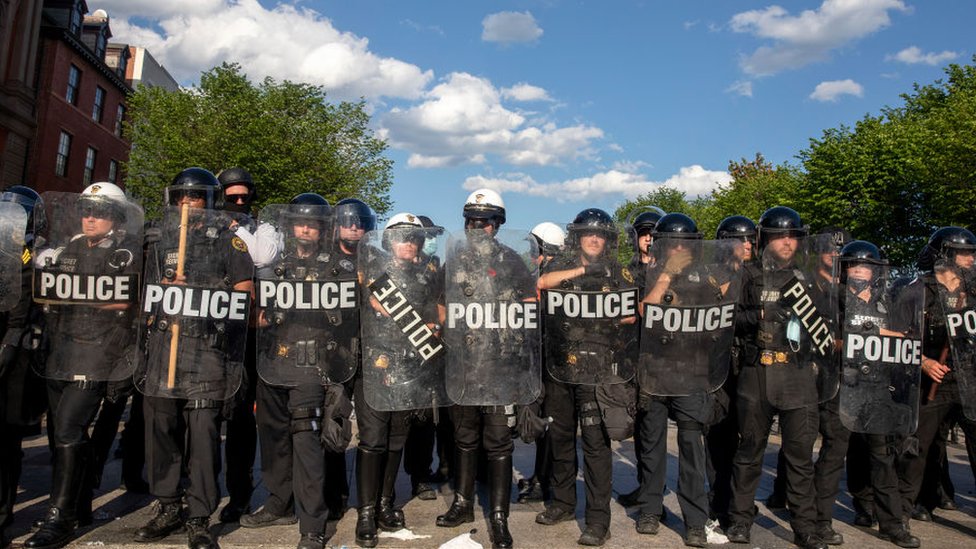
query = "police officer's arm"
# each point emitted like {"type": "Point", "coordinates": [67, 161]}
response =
{"type": "Point", "coordinates": [263, 244]}
{"type": "Point", "coordinates": [554, 279]}
{"type": "Point", "coordinates": [17, 318]}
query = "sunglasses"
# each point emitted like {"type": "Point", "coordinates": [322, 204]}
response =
{"type": "Point", "coordinates": [237, 198]}
{"type": "Point", "coordinates": [476, 223]}
{"type": "Point", "coordinates": [96, 210]}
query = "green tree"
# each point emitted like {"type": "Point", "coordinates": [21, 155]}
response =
{"type": "Point", "coordinates": [287, 135]}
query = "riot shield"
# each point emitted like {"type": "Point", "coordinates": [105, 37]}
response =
{"type": "Point", "coordinates": [688, 321]}
{"type": "Point", "coordinates": [799, 327]}
{"type": "Point", "coordinates": [195, 307]}
{"type": "Point", "coordinates": [881, 355]}
{"type": "Point", "coordinates": [492, 325]}
{"type": "Point", "coordinates": [959, 306]}
{"type": "Point", "coordinates": [590, 322]}
{"type": "Point", "coordinates": [302, 307]}
{"type": "Point", "coordinates": [403, 354]}
{"type": "Point", "coordinates": [87, 266]}
{"type": "Point", "coordinates": [13, 225]}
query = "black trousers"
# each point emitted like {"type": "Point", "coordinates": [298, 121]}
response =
{"type": "Point", "coordinates": [799, 431]}
{"type": "Point", "coordinates": [240, 445]}
{"type": "Point", "coordinates": [168, 421]}
{"type": "Point", "coordinates": [11, 457]}
{"type": "Point", "coordinates": [292, 460]}
{"type": "Point", "coordinates": [423, 438]}
{"type": "Point", "coordinates": [688, 412]}
{"type": "Point", "coordinates": [721, 443]}
{"type": "Point", "coordinates": [566, 404]}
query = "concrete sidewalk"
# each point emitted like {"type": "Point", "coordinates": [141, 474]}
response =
{"type": "Point", "coordinates": [119, 514]}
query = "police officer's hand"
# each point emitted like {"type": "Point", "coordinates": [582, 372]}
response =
{"type": "Point", "coordinates": [596, 269]}
{"type": "Point", "coordinates": [934, 369]}
{"type": "Point", "coordinates": [678, 262]}
{"type": "Point", "coordinates": [8, 354]}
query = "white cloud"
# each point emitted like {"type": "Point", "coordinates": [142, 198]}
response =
{"type": "Point", "coordinates": [284, 42]}
{"type": "Point", "coordinates": [510, 27]}
{"type": "Point", "coordinates": [833, 89]}
{"type": "Point", "coordinates": [693, 180]}
{"type": "Point", "coordinates": [525, 92]}
{"type": "Point", "coordinates": [155, 8]}
{"type": "Point", "coordinates": [462, 120]}
{"type": "Point", "coordinates": [810, 36]}
{"type": "Point", "coordinates": [913, 55]}
{"type": "Point", "coordinates": [742, 87]}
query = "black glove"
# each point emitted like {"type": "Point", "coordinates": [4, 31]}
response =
{"type": "Point", "coordinates": [596, 269]}
{"type": "Point", "coordinates": [337, 427]}
{"type": "Point", "coordinates": [531, 425]}
{"type": "Point", "coordinates": [8, 354]}
{"type": "Point", "coordinates": [152, 235]}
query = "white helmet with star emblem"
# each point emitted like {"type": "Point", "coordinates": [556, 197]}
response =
{"type": "Point", "coordinates": [485, 204]}
{"type": "Point", "coordinates": [103, 199]}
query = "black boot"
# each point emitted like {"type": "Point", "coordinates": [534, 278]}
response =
{"type": "Point", "coordinates": [198, 534]}
{"type": "Point", "coordinates": [500, 473]}
{"type": "Point", "coordinates": [462, 509]}
{"type": "Point", "coordinates": [389, 518]}
{"type": "Point", "coordinates": [369, 467]}
{"type": "Point", "coordinates": [70, 466]}
{"type": "Point", "coordinates": [168, 519]}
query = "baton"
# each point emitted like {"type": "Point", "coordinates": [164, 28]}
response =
{"type": "Point", "coordinates": [174, 340]}
{"type": "Point", "coordinates": [935, 384]}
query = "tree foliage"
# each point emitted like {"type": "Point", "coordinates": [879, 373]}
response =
{"type": "Point", "coordinates": [286, 134]}
{"type": "Point", "coordinates": [892, 178]}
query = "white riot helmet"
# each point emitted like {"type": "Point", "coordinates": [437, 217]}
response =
{"type": "Point", "coordinates": [402, 227]}
{"type": "Point", "coordinates": [485, 204]}
{"type": "Point", "coordinates": [104, 200]}
{"type": "Point", "coordinates": [550, 237]}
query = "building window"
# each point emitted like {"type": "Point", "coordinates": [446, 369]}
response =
{"type": "Point", "coordinates": [77, 16]}
{"type": "Point", "coordinates": [99, 104]}
{"type": "Point", "coordinates": [64, 148]}
{"type": "Point", "coordinates": [89, 166]}
{"type": "Point", "coordinates": [113, 171]}
{"type": "Point", "coordinates": [100, 45]}
{"type": "Point", "coordinates": [119, 117]}
{"type": "Point", "coordinates": [123, 63]}
{"type": "Point", "coordinates": [74, 80]}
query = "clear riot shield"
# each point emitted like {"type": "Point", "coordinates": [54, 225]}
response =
{"type": "Point", "coordinates": [13, 225]}
{"type": "Point", "coordinates": [87, 267]}
{"type": "Point", "coordinates": [688, 321]}
{"type": "Point", "coordinates": [590, 323]}
{"type": "Point", "coordinates": [195, 307]}
{"type": "Point", "coordinates": [301, 303]}
{"type": "Point", "coordinates": [881, 355]}
{"type": "Point", "coordinates": [799, 327]}
{"type": "Point", "coordinates": [959, 306]}
{"type": "Point", "coordinates": [403, 353]}
{"type": "Point", "coordinates": [492, 326]}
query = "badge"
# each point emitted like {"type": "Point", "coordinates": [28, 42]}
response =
{"type": "Point", "coordinates": [625, 272]}
{"type": "Point", "coordinates": [382, 361]}
{"type": "Point", "coordinates": [282, 350]}
{"type": "Point", "coordinates": [238, 244]}
{"type": "Point", "coordinates": [347, 265]}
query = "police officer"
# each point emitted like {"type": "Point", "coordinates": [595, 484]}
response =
{"type": "Point", "coordinates": [675, 280]}
{"type": "Point", "coordinates": [589, 265]}
{"type": "Point", "coordinates": [946, 271]}
{"type": "Point", "coordinates": [291, 398]}
{"type": "Point", "coordinates": [240, 194]}
{"type": "Point", "coordinates": [875, 389]}
{"type": "Point", "coordinates": [779, 231]}
{"type": "Point", "coordinates": [550, 239]}
{"type": "Point", "coordinates": [213, 252]}
{"type": "Point", "coordinates": [86, 342]}
{"type": "Point", "coordinates": [21, 391]}
{"type": "Point", "coordinates": [722, 438]}
{"type": "Point", "coordinates": [487, 426]}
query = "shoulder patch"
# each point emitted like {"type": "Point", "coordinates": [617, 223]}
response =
{"type": "Point", "coordinates": [625, 272]}
{"type": "Point", "coordinates": [238, 244]}
{"type": "Point", "coordinates": [26, 256]}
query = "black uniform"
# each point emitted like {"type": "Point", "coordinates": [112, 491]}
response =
{"type": "Point", "coordinates": [214, 258]}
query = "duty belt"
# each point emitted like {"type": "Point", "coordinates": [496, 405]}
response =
{"type": "Point", "coordinates": [768, 358]}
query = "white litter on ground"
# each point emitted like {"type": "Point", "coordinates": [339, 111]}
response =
{"type": "Point", "coordinates": [463, 541]}
{"type": "Point", "coordinates": [402, 534]}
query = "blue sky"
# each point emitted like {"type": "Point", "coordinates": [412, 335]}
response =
{"type": "Point", "coordinates": [565, 105]}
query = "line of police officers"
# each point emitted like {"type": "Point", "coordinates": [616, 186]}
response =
{"type": "Point", "coordinates": [718, 335]}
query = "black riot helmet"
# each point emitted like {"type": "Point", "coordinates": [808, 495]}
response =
{"type": "Point", "coordinates": [351, 212]}
{"type": "Point", "coordinates": [859, 252]}
{"type": "Point", "coordinates": [642, 222]}
{"type": "Point", "coordinates": [306, 207]}
{"type": "Point", "coordinates": [736, 226]}
{"type": "Point", "coordinates": [20, 194]}
{"type": "Point", "coordinates": [944, 244]}
{"type": "Point", "coordinates": [779, 220]}
{"type": "Point", "coordinates": [238, 176]}
{"type": "Point", "coordinates": [590, 221]}
{"type": "Point", "coordinates": [195, 183]}
{"type": "Point", "coordinates": [674, 229]}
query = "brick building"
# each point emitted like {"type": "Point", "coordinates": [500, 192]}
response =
{"type": "Point", "coordinates": [80, 100]}
{"type": "Point", "coordinates": [20, 21]}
